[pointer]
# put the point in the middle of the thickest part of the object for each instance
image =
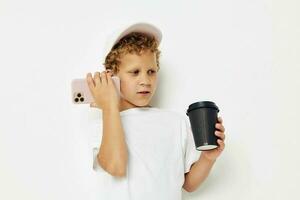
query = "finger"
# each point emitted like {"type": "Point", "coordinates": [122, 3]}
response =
{"type": "Point", "coordinates": [220, 119]}
{"type": "Point", "coordinates": [220, 135]}
{"type": "Point", "coordinates": [222, 144]}
{"type": "Point", "coordinates": [108, 70]}
{"type": "Point", "coordinates": [97, 78]}
{"type": "Point", "coordinates": [90, 81]}
{"type": "Point", "coordinates": [220, 127]}
{"type": "Point", "coordinates": [108, 76]}
{"type": "Point", "coordinates": [103, 77]}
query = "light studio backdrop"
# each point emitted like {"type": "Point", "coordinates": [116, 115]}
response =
{"type": "Point", "coordinates": [241, 54]}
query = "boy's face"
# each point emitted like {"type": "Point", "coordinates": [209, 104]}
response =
{"type": "Point", "coordinates": [137, 73]}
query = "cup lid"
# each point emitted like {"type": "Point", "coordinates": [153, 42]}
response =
{"type": "Point", "coordinates": [202, 104]}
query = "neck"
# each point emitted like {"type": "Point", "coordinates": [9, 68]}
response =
{"type": "Point", "coordinates": [124, 105]}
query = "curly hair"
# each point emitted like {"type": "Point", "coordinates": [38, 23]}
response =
{"type": "Point", "coordinates": [134, 42]}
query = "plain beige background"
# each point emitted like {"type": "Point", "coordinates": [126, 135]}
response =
{"type": "Point", "coordinates": [241, 54]}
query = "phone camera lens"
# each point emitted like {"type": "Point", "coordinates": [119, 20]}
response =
{"type": "Point", "coordinates": [81, 99]}
{"type": "Point", "coordinates": [76, 99]}
{"type": "Point", "coordinates": [78, 95]}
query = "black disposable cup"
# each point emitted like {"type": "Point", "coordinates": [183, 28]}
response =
{"type": "Point", "coordinates": [203, 116]}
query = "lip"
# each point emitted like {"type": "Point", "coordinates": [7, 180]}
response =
{"type": "Point", "coordinates": [144, 94]}
{"type": "Point", "coordinates": [144, 91]}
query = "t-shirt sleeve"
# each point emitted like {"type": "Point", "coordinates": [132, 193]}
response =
{"type": "Point", "coordinates": [96, 165]}
{"type": "Point", "coordinates": [95, 132]}
{"type": "Point", "coordinates": [191, 154]}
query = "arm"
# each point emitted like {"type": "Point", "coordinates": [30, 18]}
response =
{"type": "Point", "coordinates": [198, 173]}
{"type": "Point", "coordinates": [112, 155]}
{"type": "Point", "coordinates": [200, 169]}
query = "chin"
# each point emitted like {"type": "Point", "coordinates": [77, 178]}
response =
{"type": "Point", "coordinates": [140, 103]}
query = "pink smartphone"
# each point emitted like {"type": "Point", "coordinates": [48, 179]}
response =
{"type": "Point", "coordinates": [81, 93]}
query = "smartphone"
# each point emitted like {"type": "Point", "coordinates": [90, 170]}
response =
{"type": "Point", "coordinates": [81, 93]}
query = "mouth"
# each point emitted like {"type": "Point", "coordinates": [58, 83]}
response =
{"type": "Point", "coordinates": [144, 92]}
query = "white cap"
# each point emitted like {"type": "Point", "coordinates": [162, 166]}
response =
{"type": "Point", "coordinates": [142, 27]}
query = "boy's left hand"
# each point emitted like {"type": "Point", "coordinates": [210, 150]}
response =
{"type": "Point", "coordinates": [214, 153]}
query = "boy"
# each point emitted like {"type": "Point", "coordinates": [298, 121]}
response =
{"type": "Point", "coordinates": [150, 151]}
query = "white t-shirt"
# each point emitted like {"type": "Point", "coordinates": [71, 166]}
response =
{"type": "Point", "coordinates": [160, 150]}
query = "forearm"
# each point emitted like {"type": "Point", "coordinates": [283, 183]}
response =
{"type": "Point", "coordinates": [113, 155]}
{"type": "Point", "coordinates": [198, 173]}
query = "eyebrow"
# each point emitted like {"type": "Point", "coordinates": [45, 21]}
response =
{"type": "Point", "coordinates": [137, 67]}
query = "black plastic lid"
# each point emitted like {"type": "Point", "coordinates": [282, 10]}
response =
{"type": "Point", "coordinates": [202, 104]}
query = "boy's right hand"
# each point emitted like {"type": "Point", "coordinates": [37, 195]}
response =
{"type": "Point", "coordinates": [103, 90]}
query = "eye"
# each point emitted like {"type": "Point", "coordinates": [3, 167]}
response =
{"type": "Point", "coordinates": [152, 71]}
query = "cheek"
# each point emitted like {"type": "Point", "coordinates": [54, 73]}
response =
{"type": "Point", "coordinates": [155, 81]}
{"type": "Point", "coordinates": [127, 86]}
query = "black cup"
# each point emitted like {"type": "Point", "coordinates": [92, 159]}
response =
{"type": "Point", "coordinates": [203, 116]}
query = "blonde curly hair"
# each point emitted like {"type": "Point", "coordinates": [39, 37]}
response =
{"type": "Point", "coordinates": [134, 42]}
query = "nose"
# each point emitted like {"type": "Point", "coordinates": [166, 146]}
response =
{"type": "Point", "coordinates": [145, 79]}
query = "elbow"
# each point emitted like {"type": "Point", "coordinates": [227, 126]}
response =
{"type": "Point", "coordinates": [186, 185]}
{"type": "Point", "coordinates": [117, 169]}
{"type": "Point", "coordinates": [188, 189]}
{"type": "Point", "coordinates": [119, 173]}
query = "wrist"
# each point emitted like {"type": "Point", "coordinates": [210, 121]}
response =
{"type": "Point", "coordinates": [110, 108]}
